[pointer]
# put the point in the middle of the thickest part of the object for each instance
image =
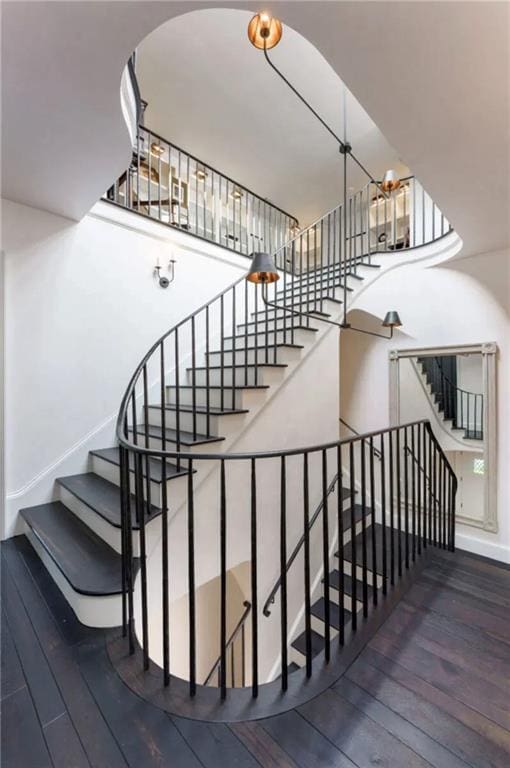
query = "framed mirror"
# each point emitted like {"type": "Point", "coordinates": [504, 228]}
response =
{"type": "Point", "coordinates": [455, 388]}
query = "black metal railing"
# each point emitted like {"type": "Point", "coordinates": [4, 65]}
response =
{"type": "Point", "coordinates": [463, 408]}
{"type": "Point", "coordinates": [390, 540]}
{"type": "Point", "coordinates": [195, 373]}
{"type": "Point", "coordinates": [166, 183]}
{"type": "Point", "coordinates": [235, 654]}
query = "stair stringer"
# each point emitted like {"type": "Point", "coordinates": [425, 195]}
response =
{"type": "Point", "coordinates": [272, 425]}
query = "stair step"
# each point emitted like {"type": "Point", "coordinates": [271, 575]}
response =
{"type": "Point", "coordinates": [377, 531]}
{"type": "Point", "coordinates": [293, 667]}
{"type": "Point", "coordinates": [112, 456]}
{"type": "Point", "coordinates": [319, 611]}
{"type": "Point", "coordinates": [103, 497]}
{"type": "Point", "coordinates": [90, 566]}
{"type": "Point", "coordinates": [238, 366]}
{"type": "Point", "coordinates": [213, 409]}
{"type": "Point", "coordinates": [272, 327]}
{"type": "Point", "coordinates": [186, 438]}
{"type": "Point", "coordinates": [270, 311]}
{"type": "Point", "coordinates": [318, 643]}
{"type": "Point", "coordinates": [334, 583]}
{"type": "Point", "coordinates": [358, 513]}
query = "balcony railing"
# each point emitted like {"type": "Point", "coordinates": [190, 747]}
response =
{"type": "Point", "coordinates": [168, 184]}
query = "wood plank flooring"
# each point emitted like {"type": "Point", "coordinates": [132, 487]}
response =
{"type": "Point", "coordinates": [432, 688]}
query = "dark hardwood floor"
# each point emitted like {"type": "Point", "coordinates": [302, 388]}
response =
{"type": "Point", "coordinates": [432, 688]}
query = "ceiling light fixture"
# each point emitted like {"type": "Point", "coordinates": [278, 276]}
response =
{"type": "Point", "coordinates": [390, 182]}
{"type": "Point", "coordinates": [157, 149]}
{"type": "Point", "coordinates": [264, 31]}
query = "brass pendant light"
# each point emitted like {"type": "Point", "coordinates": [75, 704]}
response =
{"type": "Point", "coordinates": [390, 182]}
{"type": "Point", "coordinates": [263, 269]}
{"type": "Point", "coordinates": [264, 31]}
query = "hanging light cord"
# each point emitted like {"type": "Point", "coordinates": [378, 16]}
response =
{"type": "Point", "coordinates": [345, 148]}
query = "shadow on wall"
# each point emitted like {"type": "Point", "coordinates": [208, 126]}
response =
{"type": "Point", "coordinates": [495, 278]}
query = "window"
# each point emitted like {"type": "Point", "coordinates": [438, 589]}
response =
{"type": "Point", "coordinates": [479, 466]}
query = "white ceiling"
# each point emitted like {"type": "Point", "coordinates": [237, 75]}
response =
{"type": "Point", "coordinates": [434, 76]}
{"type": "Point", "coordinates": [211, 92]}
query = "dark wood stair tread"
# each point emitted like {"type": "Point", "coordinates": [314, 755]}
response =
{"type": "Point", "coordinates": [186, 438]}
{"type": "Point", "coordinates": [90, 566]}
{"type": "Point", "coordinates": [319, 611]}
{"type": "Point", "coordinates": [317, 643]}
{"type": "Point", "coordinates": [103, 497]}
{"type": "Point", "coordinates": [334, 583]}
{"type": "Point", "coordinates": [214, 410]}
{"type": "Point", "coordinates": [358, 514]}
{"type": "Point", "coordinates": [377, 531]}
{"type": "Point", "coordinates": [111, 455]}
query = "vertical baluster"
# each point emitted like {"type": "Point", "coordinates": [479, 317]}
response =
{"type": "Point", "coordinates": [253, 571]}
{"type": "Point", "coordinates": [306, 533]}
{"type": "Point", "coordinates": [392, 510]}
{"type": "Point", "coordinates": [399, 506]}
{"type": "Point", "coordinates": [364, 526]}
{"type": "Point", "coordinates": [406, 494]}
{"type": "Point", "coordinates": [191, 582]}
{"type": "Point", "coordinates": [423, 216]}
{"type": "Point", "coordinates": [413, 491]}
{"type": "Point", "coordinates": [283, 572]}
{"type": "Point", "coordinates": [143, 556]}
{"type": "Point", "coordinates": [164, 526]}
{"type": "Point", "coordinates": [340, 525]}
{"type": "Point", "coordinates": [354, 565]}
{"type": "Point", "coordinates": [418, 488]}
{"type": "Point", "coordinates": [193, 377]}
{"type": "Point", "coordinates": [243, 656]}
{"type": "Point", "coordinates": [177, 398]}
{"type": "Point", "coordinates": [208, 374]}
{"type": "Point", "coordinates": [129, 542]}
{"type": "Point", "coordinates": [222, 352]}
{"type": "Point", "coordinates": [123, 551]}
{"type": "Point", "coordinates": [425, 487]}
{"type": "Point", "coordinates": [223, 580]}
{"type": "Point", "coordinates": [232, 667]}
{"type": "Point", "coordinates": [246, 332]}
{"type": "Point", "coordinates": [233, 399]}
{"type": "Point", "coordinates": [256, 353]}
{"type": "Point", "coordinates": [383, 518]}
{"type": "Point", "coordinates": [445, 500]}
{"type": "Point", "coordinates": [431, 489]}
{"type": "Point", "coordinates": [372, 519]}
{"type": "Point", "coordinates": [436, 496]}
{"type": "Point", "coordinates": [325, 556]}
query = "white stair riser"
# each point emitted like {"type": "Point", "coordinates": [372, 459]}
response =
{"type": "Point", "coordinates": [93, 611]}
{"type": "Point", "coordinates": [240, 398]}
{"type": "Point", "coordinates": [176, 487]}
{"type": "Point", "coordinates": [262, 339]}
{"type": "Point", "coordinates": [105, 530]}
{"type": "Point", "coordinates": [273, 325]}
{"type": "Point", "coordinates": [219, 425]}
{"type": "Point", "coordinates": [252, 356]}
{"type": "Point", "coordinates": [266, 375]}
{"type": "Point", "coordinates": [319, 626]}
{"type": "Point", "coordinates": [209, 447]}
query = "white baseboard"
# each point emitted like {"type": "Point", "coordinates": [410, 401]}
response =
{"type": "Point", "coordinates": [482, 547]}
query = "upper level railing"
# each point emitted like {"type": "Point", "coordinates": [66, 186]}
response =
{"type": "Point", "coordinates": [172, 186]}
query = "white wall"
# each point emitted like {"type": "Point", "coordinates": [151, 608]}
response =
{"type": "Point", "coordinates": [467, 301]}
{"type": "Point", "coordinates": [82, 308]}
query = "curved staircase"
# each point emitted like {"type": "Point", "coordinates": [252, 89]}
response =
{"type": "Point", "coordinates": [192, 400]}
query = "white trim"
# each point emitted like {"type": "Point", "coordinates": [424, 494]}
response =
{"type": "Point", "coordinates": [482, 547]}
{"type": "Point", "coordinates": [2, 395]}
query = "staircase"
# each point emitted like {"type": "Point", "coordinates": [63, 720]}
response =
{"type": "Point", "coordinates": [461, 410]}
{"type": "Point", "coordinates": [111, 537]}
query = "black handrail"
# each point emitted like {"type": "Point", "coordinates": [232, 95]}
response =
{"type": "Point", "coordinates": [136, 88]}
{"type": "Point", "coordinates": [230, 646]}
{"type": "Point", "coordinates": [297, 549]}
{"type": "Point", "coordinates": [355, 432]}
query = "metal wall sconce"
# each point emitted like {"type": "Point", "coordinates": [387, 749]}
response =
{"type": "Point", "coordinates": [164, 281]}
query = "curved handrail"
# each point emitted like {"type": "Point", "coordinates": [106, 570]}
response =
{"type": "Point", "coordinates": [470, 402]}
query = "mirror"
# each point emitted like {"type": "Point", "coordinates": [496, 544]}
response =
{"type": "Point", "coordinates": [454, 388]}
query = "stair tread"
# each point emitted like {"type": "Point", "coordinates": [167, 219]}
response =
{"type": "Point", "coordinates": [334, 583]}
{"type": "Point", "coordinates": [186, 438]}
{"type": "Point", "coordinates": [241, 366]}
{"type": "Point", "coordinates": [259, 347]}
{"type": "Point", "coordinates": [214, 410]}
{"type": "Point", "coordinates": [358, 514]}
{"type": "Point", "coordinates": [112, 456]}
{"type": "Point", "coordinates": [318, 610]}
{"type": "Point", "coordinates": [378, 540]}
{"type": "Point", "coordinates": [217, 386]}
{"type": "Point", "coordinates": [90, 566]}
{"type": "Point", "coordinates": [103, 497]}
{"type": "Point", "coordinates": [318, 643]}
{"type": "Point", "coordinates": [261, 331]}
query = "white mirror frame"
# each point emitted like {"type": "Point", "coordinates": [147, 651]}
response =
{"type": "Point", "coordinates": [489, 519]}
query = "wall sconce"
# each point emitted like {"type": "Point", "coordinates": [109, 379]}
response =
{"type": "Point", "coordinates": [164, 281]}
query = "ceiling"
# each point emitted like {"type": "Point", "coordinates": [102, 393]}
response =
{"type": "Point", "coordinates": [209, 91]}
{"type": "Point", "coordinates": [434, 76]}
